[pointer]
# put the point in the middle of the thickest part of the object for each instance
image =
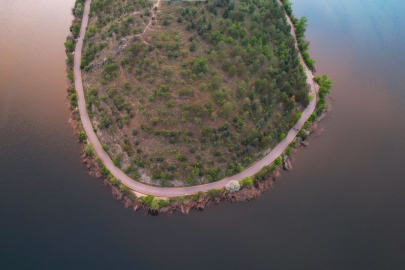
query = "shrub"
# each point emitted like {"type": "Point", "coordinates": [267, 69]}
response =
{"type": "Point", "coordinates": [233, 186]}
{"type": "Point", "coordinates": [247, 182]}
{"type": "Point", "coordinates": [232, 71]}
{"type": "Point", "coordinates": [288, 151]}
{"type": "Point", "coordinates": [216, 82]}
{"type": "Point", "coordinates": [73, 100]}
{"type": "Point", "coordinates": [154, 120]}
{"type": "Point", "coordinates": [155, 204]}
{"type": "Point", "coordinates": [117, 160]}
{"type": "Point", "coordinates": [213, 174]}
{"type": "Point", "coordinates": [313, 117]}
{"type": "Point", "coordinates": [185, 92]}
{"type": "Point", "coordinates": [181, 157]}
{"type": "Point", "coordinates": [148, 199]}
{"type": "Point", "coordinates": [82, 136]}
{"type": "Point", "coordinates": [213, 192]}
{"type": "Point", "coordinates": [278, 161]}
{"type": "Point", "coordinates": [88, 149]}
{"type": "Point", "coordinates": [126, 85]}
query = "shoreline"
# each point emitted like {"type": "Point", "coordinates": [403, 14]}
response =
{"type": "Point", "coordinates": [191, 201]}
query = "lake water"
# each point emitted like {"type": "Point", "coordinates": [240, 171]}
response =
{"type": "Point", "coordinates": [341, 207]}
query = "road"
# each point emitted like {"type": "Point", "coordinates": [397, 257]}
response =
{"type": "Point", "coordinates": [169, 191]}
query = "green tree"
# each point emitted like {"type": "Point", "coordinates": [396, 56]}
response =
{"type": "Point", "coordinates": [216, 82]}
{"type": "Point", "coordinates": [88, 149]}
{"type": "Point", "coordinates": [227, 108]}
{"type": "Point", "coordinates": [232, 71]}
{"type": "Point", "coordinates": [148, 199]}
{"type": "Point", "coordinates": [82, 136]}
{"type": "Point", "coordinates": [247, 182]}
{"type": "Point", "coordinates": [201, 65]}
{"type": "Point", "coordinates": [155, 204]}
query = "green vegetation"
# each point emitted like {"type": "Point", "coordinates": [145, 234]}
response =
{"type": "Point", "coordinates": [194, 91]}
{"type": "Point", "coordinates": [82, 136]}
{"type": "Point", "coordinates": [325, 85]}
{"type": "Point", "coordinates": [247, 182]}
{"type": "Point", "coordinates": [70, 45]}
{"type": "Point", "coordinates": [300, 28]}
{"type": "Point", "coordinates": [89, 150]}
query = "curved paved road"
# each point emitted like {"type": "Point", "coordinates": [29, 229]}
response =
{"type": "Point", "coordinates": [167, 191]}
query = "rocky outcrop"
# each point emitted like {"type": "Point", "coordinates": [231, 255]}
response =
{"type": "Point", "coordinates": [287, 163]}
{"type": "Point", "coordinates": [305, 143]}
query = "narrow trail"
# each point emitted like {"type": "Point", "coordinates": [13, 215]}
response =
{"type": "Point", "coordinates": [168, 191]}
{"type": "Point", "coordinates": [150, 21]}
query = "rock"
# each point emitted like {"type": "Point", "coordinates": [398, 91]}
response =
{"type": "Point", "coordinates": [233, 186]}
{"type": "Point", "coordinates": [313, 127]}
{"type": "Point", "coordinates": [275, 174]}
{"type": "Point", "coordinates": [287, 164]}
{"type": "Point", "coordinates": [305, 143]}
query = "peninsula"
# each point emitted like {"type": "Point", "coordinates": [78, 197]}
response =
{"type": "Point", "coordinates": [188, 97]}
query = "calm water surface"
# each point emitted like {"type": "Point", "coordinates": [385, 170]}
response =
{"type": "Point", "coordinates": [342, 207]}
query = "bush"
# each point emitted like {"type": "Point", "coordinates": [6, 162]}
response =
{"type": "Point", "coordinates": [232, 71]}
{"type": "Point", "coordinates": [82, 136]}
{"type": "Point", "coordinates": [186, 92]}
{"type": "Point", "coordinates": [213, 192]}
{"type": "Point", "coordinates": [216, 82]}
{"type": "Point", "coordinates": [73, 100]}
{"type": "Point", "coordinates": [155, 204]}
{"type": "Point", "coordinates": [88, 149]}
{"type": "Point", "coordinates": [126, 85]}
{"type": "Point", "coordinates": [278, 161]}
{"type": "Point", "coordinates": [213, 174]}
{"type": "Point", "coordinates": [70, 76]}
{"type": "Point", "coordinates": [233, 186]}
{"type": "Point", "coordinates": [148, 199]}
{"type": "Point", "coordinates": [313, 117]}
{"type": "Point", "coordinates": [288, 151]}
{"type": "Point", "coordinates": [117, 160]}
{"type": "Point", "coordinates": [181, 157]}
{"type": "Point", "coordinates": [247, 182]}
